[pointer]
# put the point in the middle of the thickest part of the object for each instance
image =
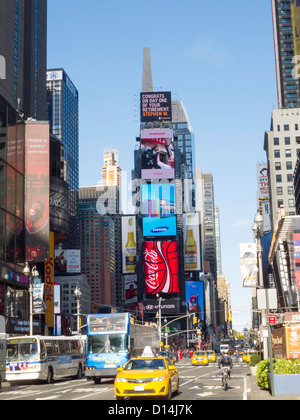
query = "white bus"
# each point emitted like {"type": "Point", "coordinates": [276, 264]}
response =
{"type": "Point", "coordinates": [2, 350]}
{"type": "Point", "coordinates": [44, 358]}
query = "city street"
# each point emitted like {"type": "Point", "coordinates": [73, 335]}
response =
{"type": "Point", "coordinates": [196, 383]}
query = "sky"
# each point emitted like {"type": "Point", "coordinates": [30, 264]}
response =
{"type": "Point", "coordinates": [216, 57]}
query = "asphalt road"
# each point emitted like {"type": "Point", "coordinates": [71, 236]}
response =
{"type": "Point", "coordinates": [196, 383]}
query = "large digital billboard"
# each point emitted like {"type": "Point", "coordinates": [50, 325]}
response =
{"type": "Point", "coordinates": [157, 154]}
{"type": "Point", "coordinates": [161, 264]}
{"type": "Point", "coordinates": [194, 293]}
{"type": "Point", "coordinates": [156, 106]}
{"type": "Point", "coordinates": [128, 244]}
{"type": "Point", "coordinates": [158, 208]}
{"type": "Point", "coordinates": [192, 245]}
{"type": "Point", "coordinates": [37, 146]}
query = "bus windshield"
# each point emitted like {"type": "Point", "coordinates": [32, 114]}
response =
{"type": "Point", "coordinates": [25, 350]}
{"type": "Point", "coordinates": [112, 343]}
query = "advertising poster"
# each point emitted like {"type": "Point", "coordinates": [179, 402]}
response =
{"type": "Point", "coordinates": [38, 301]}
{"type": "Point", "coordinates": [158, 207]}
{"type": "Point", "coordinates": [128, 244]}
{"type": "Point", "coordinates": [295, 11]}
{"type": "Point", "coordinates": [293, 341]}
{"type": "Point", "coordinates": [157, 154]}
{"type": "Point", "coordinates": [194, 294]}
{"type": "Point", "coordinates": [37, 191]}
{"type": "Point", "coordinates": [67, 261]}
{"type": "Point", "coordinates": [262, 180]}
{"type": "Point", "coordinates": [192, 245]}
{"type": "Point", "coordinates": [49, 284]}
{"type": "Point", "coordinates": [249, 268]}
{"type": "Point", "coordinates": [161, 265]}
{"type": "Point", "coordinates": [156, 106]}
{"type": "Point", "coordinates": [130, 287]}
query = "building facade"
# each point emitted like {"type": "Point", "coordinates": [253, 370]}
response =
{"type": "Point", "coordinates": [23, 48]}
{"type": "Point", "coordinates": [288, 90]}
{"type": "Point", "coordinates": [63, 115]}
{"type": "Point", "coordinates": [282, 145]}
{"type": "Point", "coordinates": [100, 239]}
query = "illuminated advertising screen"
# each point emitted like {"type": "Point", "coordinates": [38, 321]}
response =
{"type": "Point", "coordinates": [37, 149]}
{"type": "Point", "coordinates": [157, 154]}
{"type": "Point", "coordinates": [192, 245]}
{"type": "Point", "coordinates": [161, 264]}
{"type": "Point", "coordinates": [194, 293]}
{"type": "Point", "coordinates": [158, 207]}
{"type": "Point", "coordinates": [156, 106]}
{"type": "Point", "coordinates": [129, 244]}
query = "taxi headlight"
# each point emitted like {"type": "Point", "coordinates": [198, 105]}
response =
{"type": "Point", "coordinates": [121, 380]}
{"type": "Point", "coordinates": [159, 379]}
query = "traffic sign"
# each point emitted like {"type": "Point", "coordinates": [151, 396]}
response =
{"type": "Point", "coordinates": [272, 319]}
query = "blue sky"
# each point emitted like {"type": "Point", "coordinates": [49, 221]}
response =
{"type": "Point", "coordinates": [215, 56]}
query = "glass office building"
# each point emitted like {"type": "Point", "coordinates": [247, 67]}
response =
{"type": "Point", "coordinates": [63, 114]}
{"type": "Point", "coordinates": [288, 89]}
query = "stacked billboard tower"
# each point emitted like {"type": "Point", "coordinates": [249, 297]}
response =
{"type": "Point", "coordinates": [162, 258]}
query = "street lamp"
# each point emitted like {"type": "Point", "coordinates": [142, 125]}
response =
{"type": "Point", "coordinates": [159, 317]}
{"type": "Point", "coordinates": [78, 294]}
{"type": "Point", "coordinates": [33, 274]}
{"type": "Point", "coordinates": [257, 229]}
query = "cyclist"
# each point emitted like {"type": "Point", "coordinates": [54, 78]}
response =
{"type": "Point", "coordinates": [225, 360]}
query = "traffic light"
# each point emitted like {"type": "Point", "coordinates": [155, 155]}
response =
{"type": "Point", "coordinates": [195, 320]}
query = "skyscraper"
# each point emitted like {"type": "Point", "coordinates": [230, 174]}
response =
{"type": "Point", "coordinates": [63, 114]}
{"type": "Point", "coordinates": [23, 45]}
{"type": "Point", "coordinates": [288, 89]}
{"type": "Point", "coordinates": [111, 170]}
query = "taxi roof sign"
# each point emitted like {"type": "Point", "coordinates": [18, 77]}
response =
{"type": "Point", "coordinates": [147, 352]}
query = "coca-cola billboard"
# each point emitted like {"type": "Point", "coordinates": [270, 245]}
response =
{"type": "Point", "coordinates": [161, 263]}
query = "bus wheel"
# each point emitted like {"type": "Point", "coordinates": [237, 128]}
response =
{"type": "Point", "coordinates": [97, 381]}
{"type": "Point", "coordinates": [49, 379]}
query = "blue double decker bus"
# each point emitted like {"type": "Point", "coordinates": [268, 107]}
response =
{"type": "Point", "coordinates": [112, 340]}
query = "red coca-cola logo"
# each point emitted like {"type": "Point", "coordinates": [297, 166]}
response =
{"type": "Point", "coordinates": [161, 267]}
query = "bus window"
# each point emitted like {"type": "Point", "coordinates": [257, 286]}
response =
{"type": "Point", "coordinates": [97, 344]}
{"type": "Point", "coordinates": [118, 343]}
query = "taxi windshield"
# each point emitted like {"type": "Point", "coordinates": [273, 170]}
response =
{"type": "Point", "coordinates": [144, 364]}
{"type": "Point", "coordinates": [199, 353]}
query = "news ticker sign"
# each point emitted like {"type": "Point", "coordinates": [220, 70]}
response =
{"type": "Point", "coordinates": [156, 106]}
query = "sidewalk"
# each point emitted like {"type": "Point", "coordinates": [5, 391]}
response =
{"type": "Point", "coordinates": [259, 394]}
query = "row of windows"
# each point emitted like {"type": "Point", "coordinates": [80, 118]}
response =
{"type": "Point", "coordinates": [288, 153]}
{"type": "Point", "coordinates": [290, 191]}
{"type": "Point", "coordinates": [289, 166]}
{"type": "Point", "coordinates": [289, 178]}
{"type": "Point", "coordinates": [286, 127]}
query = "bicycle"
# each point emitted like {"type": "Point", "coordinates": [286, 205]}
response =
{"type": "Point", "coordinates": [225, 377]}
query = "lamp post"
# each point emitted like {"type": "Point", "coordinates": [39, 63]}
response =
{"type": "Point", "coordinates": [78, 294]}
{"type": "Point", "coordinates": [257, 229]}
{"type": "Point", "coordinates": [33, 274]}
{"type": "Point", "coordinates": [159, 317]}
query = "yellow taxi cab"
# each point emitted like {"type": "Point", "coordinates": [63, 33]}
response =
{"type": "Point", "coordinates": [248, 354]}
{"type": "Point", "coordinates": [200, 358]}
{"type": "Point", "coordinates": [147, 376]}
{"type": "Point", "coordinates": [211, 355]}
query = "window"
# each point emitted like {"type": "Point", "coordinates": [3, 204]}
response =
{"type": "Point", "coordinates": [279, 191]}
{"type": "Point", "coordinates": [279, 203]}
{"type": "Point", "coordinates": [291, 202]}
{"type": "Point", "coordinates": [286, 127]}
{"type": "Point", "coordinates": [278, 166]}
{"type": "Point", "coordinates": [277, 153]}
{"type": "Point", "coordinates": [290, 190]}
{"type": "Point", "coordinates": [289, 177]}
{"type": "Point", "coordinates": [276, 141]}
{"type": "Point", "coordinates": [288, 153]}
{"type": "Point", "coordinates": [287, 140]}
{"type": "Point", "coordinates": [289, 166]}
{"type": "Point", "coordinates": [278, 178]}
